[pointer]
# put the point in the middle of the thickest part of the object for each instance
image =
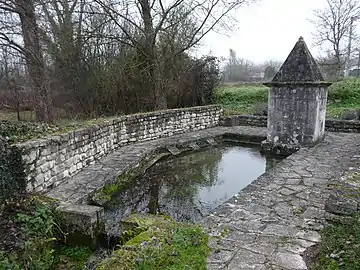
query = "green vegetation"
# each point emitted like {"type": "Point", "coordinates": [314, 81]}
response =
{"type": "Point", "coordinates": [240, 99]}
{"type": "Point", "coordinates": [19, 131]}
{"type": "Point", "coordinates": [105, 194]}
{"type": "Point", "coordinates": [343, 96]}
{"type": "Point", "coordinates": [340, 241]}
{"type": "Point", "coordinates": [34, 228]}
{"type": "Point", "coordinates": [340, 246]}
{"type": "Point", "coordinates": [12, 175]}
{"type": "Point", "coordinates": [73, 258]}
{"type": "Point", "coordinates": [160, 243]}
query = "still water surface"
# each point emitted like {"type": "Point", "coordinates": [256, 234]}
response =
{"type": "Point", "coordinates": [190, 186]}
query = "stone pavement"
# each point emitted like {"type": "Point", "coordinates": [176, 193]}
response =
{"type": "Point", "coordinates": [267, 225]}
{"type": "Point", "coordinates": [271, 223]}
{"type": "Point", "coordinates": [80, 187]}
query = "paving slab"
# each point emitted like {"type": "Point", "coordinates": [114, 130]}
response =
{"type": "Point", "coordinates": [277, 217]}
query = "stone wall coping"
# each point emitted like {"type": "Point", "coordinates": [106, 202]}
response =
{"type": "Point", "coordinates": [249, 116]}
{"type": "Point", "coordinates": [51, 160]}
{"type": "Point", "coordinates": [310, 84]}
{"type": "Point", "coordinates": [89, 130]}
{"type": "Point", "coordinates": [334, 125]}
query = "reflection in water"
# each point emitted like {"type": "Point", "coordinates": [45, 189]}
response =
{"type": "Point", "coordinates": [189, 187]}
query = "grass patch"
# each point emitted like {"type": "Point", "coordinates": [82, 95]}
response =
{"type": "Point", "coordinates": [161, 243]}
{"type": "Point", "coordinates": [240, 99]}
{"type": "Point", "coordinates": [340, 246]}
{"type": "Point", "coordinates": [343, 96]}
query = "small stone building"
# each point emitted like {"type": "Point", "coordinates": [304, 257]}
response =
{"type": "Point", "coordinates": [296, 103]}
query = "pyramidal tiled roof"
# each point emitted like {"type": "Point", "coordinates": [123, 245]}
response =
{"type": "Point", "coordinates": [299, 66]}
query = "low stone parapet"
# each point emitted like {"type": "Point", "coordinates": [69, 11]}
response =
{"type": "Point", "coordinates": [50, 161]}
{"type": "Point", "coordinates": [332, 125]}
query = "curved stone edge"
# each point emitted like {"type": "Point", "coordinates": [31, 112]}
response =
{"type": "Point", "coordinates": [103, 196]}
{"type": "Point", "coordinates": [85, 221]}
{"type": "Point", "coordinates": [277, 220]}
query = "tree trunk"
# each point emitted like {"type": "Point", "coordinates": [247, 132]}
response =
{"type": "Point", "coordinates": [153, 59]}
{"type": "Point", "coordinates": [159, 91]}
{"type": "Point", "coordinates": [35, 61]}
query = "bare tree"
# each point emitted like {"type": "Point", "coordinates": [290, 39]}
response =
{"type": "Point", "coordinates": [106, 57]}
{"type": "Point", "coordinates": [237, 69]}
{"type": "Point", "coordinates": [11, 98]}
{"type": "Point", "coordinates": [270, 68]}
{"type": "Point", "coordinates": [152, 19]}
{"type": "Point", "coordinates": [333, 25]}
{"type": "Point", "coordinates": [22, 13]}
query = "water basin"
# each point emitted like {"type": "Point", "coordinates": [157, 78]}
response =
{"type": "Point", "coordinates": [189, 187]}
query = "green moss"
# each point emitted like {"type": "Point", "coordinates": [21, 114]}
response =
{"type": "Point", "coordinates": [163, 244]}
{"type": "Point", "coordinates": [224, 233]}
{"type": "Point", "coordinates": [140, 238]}
{"type": "Point", "coordinates": [122, 259]}
{"type": "Point", "coordinates": [297, 210]}
{"type": "Point", "coordinates": [145, 221]}
{"type": "Point", "coordinates": [112, 188]}
{"type": "Point", "coordinates": [72, 257]}
{"type": "Point", "coordinates": [104, 195]}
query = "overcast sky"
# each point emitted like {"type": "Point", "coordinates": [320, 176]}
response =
{"type": "Point", "coordinates": [267, 30]}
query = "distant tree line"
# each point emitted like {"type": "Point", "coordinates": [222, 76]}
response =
{"type": "Point", "coordinates": [238, 69]}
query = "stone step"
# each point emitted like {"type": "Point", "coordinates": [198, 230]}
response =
{"type": "Point", "coordinates": [194, 146]}
{"type": "Point", "coordinates": [173, 150]}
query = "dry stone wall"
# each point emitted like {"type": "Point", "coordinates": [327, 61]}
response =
{"type": "Point", "coordinates": [51, 161]}
{"type": "Point", "coordinates": [333, 125]}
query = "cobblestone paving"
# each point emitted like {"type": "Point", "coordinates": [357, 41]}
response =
{"type": "Point", "coordinates": [79, 187]}
{"type": "Point", "coordinates": [270, 223]}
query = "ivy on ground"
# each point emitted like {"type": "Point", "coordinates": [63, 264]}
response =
{"type": "Point", "coordinates": [40, 229]}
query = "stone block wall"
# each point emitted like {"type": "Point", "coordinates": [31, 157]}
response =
{"type": "Point", "coordinates": [52, 160]}
{"type": "Point", "coordinates": [244, 120]}
{"type": "Point", "coordinates": [332, 125]}
{"type": "Point", "coordinates": [342, 126]}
